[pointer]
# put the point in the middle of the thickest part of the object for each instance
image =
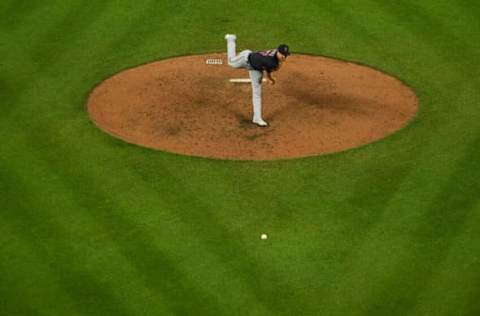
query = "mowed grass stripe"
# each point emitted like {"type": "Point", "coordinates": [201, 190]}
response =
{"type": "Point", "coordinates": [118, 234]}
{"type": "Point", "coordinates": [20, 30]}
{"type": "Point", "coordinates": [36, 236]}
{"type": "Point", "coordinates": [41, 36]}
{"type": "Point", "coordinates": [72, 59]}
{"type": "Point", "coordinates": [174, 201]}
{"type": "Point", "coordinates": [24, 290]}
{"type": "Point", "coordinates": [302, 207]}
{"type": "Point", "coordinates": [375, 222]}
{"type": "Point", "coordinates": [450, 47]}
{"type": "Point", "coordinates": [82, 254]}
{"type": "Point", "coordinates": [446, 220]}
{"type": "Point", "coordinates": [113, 229]}
{"type": "Point", "coordinates": [384, 299]}
{"type": "Point", "coordinates": [265, 204]}
{"type": "Point", "coordinates": [149, 268]}
{"type": "Point", "coordinates": [277, 215]}
{"type": "Point", "coordinates": [427, 240]}
{"type": "Point", "coordinates": [76, 21]}
{"type": "Point", "coordinates": [455, 281]}
{"type": "Point", "coordinates": [203, 218]}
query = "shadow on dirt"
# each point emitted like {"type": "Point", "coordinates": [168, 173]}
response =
{"type": "Point", "coordinates": [324, 97]}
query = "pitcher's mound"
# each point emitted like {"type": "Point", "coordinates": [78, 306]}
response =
{"type": "Point", "coordinates": [184, 105]}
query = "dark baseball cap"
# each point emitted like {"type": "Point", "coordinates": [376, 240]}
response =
{"type": "Point", "coordinates": [284, 50]}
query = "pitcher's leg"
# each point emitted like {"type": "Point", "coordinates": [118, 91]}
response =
{"type": "Point", "coordinates": [231, 45]}
{"type": "Point", "coordinates": [256, 77]}
{"type": "Point", "coordinates": [231, 50]}
{"type": "Point", "coordinates": [240, 60]}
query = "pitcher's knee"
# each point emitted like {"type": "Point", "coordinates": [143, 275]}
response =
{"type": "Point", "coordinates": [234, 65]}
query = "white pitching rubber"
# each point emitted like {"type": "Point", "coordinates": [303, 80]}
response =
{"type": "Point", "coordinates": [243, 80]}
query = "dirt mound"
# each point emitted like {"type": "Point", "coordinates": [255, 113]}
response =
{"type": "Point", "coordinates": [184, 105]}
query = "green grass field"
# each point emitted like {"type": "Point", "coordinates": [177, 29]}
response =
{"type": "Point", "coordinates": [90, 225]}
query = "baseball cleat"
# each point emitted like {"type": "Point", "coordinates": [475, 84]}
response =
{"type": "Point", "coordinates": [260, 122]}
{"type": "Point", "coordinates": [230, 37]}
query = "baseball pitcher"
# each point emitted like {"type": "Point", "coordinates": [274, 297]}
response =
{"type": "Point", "coordinates": [257, 63]}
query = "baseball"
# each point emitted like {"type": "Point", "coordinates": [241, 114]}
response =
{"type": "Point", "coordinates": [264, 236]}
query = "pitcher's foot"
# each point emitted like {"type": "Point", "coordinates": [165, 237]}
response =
{"type": "Point", "coordinates": [230, 37]}
{"type": "Point", "coordinates": [260, 122]}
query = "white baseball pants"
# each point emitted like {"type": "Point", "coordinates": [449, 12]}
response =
{"type": "Point", "coordinates": [241, 61]}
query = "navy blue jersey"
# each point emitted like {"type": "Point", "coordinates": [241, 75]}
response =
{"type": "Point", "coordinates": [265, 60]}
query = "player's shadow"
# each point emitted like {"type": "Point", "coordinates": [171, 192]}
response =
{"type": "Point", "coordinates": [331, 101]}
{"type": "Point", "coordinates": [243, 120]}
{"type": "Point", "coordinates": [323, 96]}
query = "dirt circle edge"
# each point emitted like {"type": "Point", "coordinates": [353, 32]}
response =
{"type": "Point", "coordinates": [116, 135]}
